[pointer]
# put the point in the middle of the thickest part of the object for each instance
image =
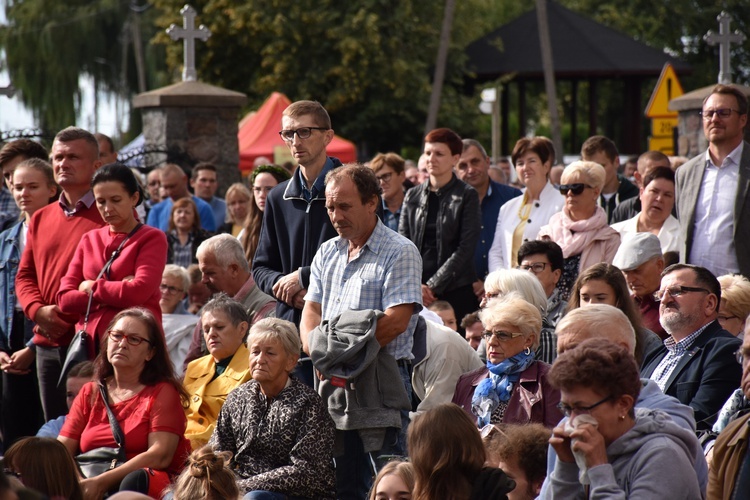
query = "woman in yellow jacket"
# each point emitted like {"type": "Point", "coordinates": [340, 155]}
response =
{"type": "Point", "coordinates": [208, 380]}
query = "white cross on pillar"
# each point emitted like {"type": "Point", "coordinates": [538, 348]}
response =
{"type": "Point", "coordinates": [724, 39]}
{"type": "Point", "coordinates": [189, 34]}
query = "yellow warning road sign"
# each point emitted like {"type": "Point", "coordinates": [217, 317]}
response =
{"type": "Point", "coordinates": [667, 88]}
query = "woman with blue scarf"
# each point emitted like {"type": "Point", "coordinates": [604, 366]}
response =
{"type": "Point", "coordinates": [513, 387]}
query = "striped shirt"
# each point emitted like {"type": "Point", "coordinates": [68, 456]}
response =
{"type": "Point", "coordinates": [385, 273]}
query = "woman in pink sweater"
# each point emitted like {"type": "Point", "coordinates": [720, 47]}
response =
{"type": "Point", "coordinates": [133, 277]}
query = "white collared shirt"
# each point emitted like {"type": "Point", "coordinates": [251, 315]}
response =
{"type": "Point", "coordinates": [713, 233]}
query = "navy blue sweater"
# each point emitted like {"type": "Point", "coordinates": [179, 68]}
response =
{"type": "Point", "coordinates": [292, 232]}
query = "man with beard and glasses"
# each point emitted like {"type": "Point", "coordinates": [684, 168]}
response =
{"type": "Point", "coordinates": [225, 269]}
{"type": "Point", "coordinates": [696, 364]}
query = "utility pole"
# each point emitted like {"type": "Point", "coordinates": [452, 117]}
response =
{"type": "Point", "coordinates": [135, 26]}
{"type": "Point", "coordinates": [549, 74]}
{"type": "Point", "coordinates": [442, 56]}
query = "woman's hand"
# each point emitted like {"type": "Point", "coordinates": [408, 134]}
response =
{"type": "Point", "coordinates": [20, 361]}
{"type": "Point", "coordinates": [5, 360]}
{"type": "Point", "coordinates": [591, 443]}
{"type": "Point", "coordinates": [561, 443]}
{"type": "Point", "coordinates": [86, 286]}
{"type": "Point", "coordinates": [93, 489]}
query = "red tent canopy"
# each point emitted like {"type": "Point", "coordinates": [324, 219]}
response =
{"type": "Point", "coordinates": [259, 136]}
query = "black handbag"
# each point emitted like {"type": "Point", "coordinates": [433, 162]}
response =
{"type": "Point", "coordinates": [100, 460]}
{"type": "Point", "coordinates": [78, 350]}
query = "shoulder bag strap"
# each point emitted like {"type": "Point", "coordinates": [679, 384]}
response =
{"type": "Point", "coordinates": [105, 269]}
{"type": "Point", "coordinates": [114, 425]}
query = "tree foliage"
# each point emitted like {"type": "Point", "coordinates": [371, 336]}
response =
{"type": "Point", "coordinates": [50, 44]}
{"type": "Point", "coordinates": [678, 27]}
{"type": "Point", "coordinates": [367, 61]}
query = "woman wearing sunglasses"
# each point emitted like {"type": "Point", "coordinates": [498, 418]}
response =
{"type": "Point", "coordinates": [604, 444]}
{"type": "Point", "coordinates": [521, 218]}
{"type": "Point", "coordinates": [146, 399]}
{"type": "Point", "coordinates": [581, 227]}
{"type": "Point", "coordinates": [513, 387]}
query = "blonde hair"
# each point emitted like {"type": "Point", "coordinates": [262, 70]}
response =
{"type": "Point", "coordinates": [514, 310]}
{"type": "Point", "coordinates": [207, 476]}
{"type": "Point", "coordinates": [589, 172]}
{"type": "Point", "coordinates": [404, 470]}
{"type": "Point", "coordinates": [735, 290]}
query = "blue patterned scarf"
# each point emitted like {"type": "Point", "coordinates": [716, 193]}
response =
{"type": "Point", "coordinates": [498, 386]}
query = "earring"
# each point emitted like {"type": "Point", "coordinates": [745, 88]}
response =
{"type": "Point", "coordinates": [527, 351]}
{"type": "Point", "coordinates": [622, 417]}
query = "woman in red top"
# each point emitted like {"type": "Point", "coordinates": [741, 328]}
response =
{"type": "Point", "coordinates": [134, 277]}
{"type": "Point", "coordinates": [146, 399]}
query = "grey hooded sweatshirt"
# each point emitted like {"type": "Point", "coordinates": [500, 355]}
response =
{"type": "Point", "coordinates": [652, 461]}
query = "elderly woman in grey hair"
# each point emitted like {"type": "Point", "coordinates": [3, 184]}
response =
{"type": "Point", "coordinates": [513, 386]}
{"type": "Point", "coordinates": [278, 428]}
{"type": "Point", "coordinates": [501, 282]}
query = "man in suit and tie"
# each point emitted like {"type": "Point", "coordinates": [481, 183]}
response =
{"type": "Point", "coordinates": [712, 189]}
{"type": "Point", "coordinates": [696, 364]}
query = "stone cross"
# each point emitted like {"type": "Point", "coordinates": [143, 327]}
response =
{"type": "Point", "coordinates": [8, 91]}
{"type": "Point", "coordinates": [189, 34]}
{"type": "Point", "coordinates": [724, 39]}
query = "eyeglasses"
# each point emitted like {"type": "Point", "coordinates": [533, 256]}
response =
{"type": "Point", "coordinates": [385, 177]}
{"type": "Point", "coordinates": [536, 267]}
{"type": "Point", "coordinates": [576, 188]}
{"type": "Point", "coordinates": [708, 114]}
{"type": "Point", "coordinates": [302, 133]}
{"type": "Point", "coordinates": [739, 356]}
{"type": "Point", "coordinates": [10, 472]}
{"type": "Point", "coordinates": [131, 338]}
{"type": "Point", "coordinates": [488, 429]}
{"type": "Point", "coordinates": [500, 336]}
{"type": "Point", "coordinates": [568, 410]}
{"type": "Point", "coordinates": [170, 289]}
{"type": "Point", "coordinates": [723, 317]}
{"type": "Point", "coordinates": [676, 291]}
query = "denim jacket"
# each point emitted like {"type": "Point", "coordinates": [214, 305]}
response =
{"type": "Point", "coordinates": [10, 256]}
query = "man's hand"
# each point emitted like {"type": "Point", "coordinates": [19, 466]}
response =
{"type": "Point", "coordinates": [287, 288]}
{"type": "Point", "coordinates": [427, 296]}
{"type": "Point", "coordinates": [478, 287]}
{"type": "Point", "coordinates": [49, 321]}
{"type": "Point", "coordinates": [299, 299]}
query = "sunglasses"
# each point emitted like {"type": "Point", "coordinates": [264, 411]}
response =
{"type": "Point", "coordinates": [576, 188]}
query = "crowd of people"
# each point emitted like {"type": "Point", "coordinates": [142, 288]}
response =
{"type": "Point", "coordinates": [445, 329]}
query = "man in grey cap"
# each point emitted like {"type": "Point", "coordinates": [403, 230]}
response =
{"type": "Point", "coordinates": [640, 260]}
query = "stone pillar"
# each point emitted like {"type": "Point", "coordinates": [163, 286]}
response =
{"type": "Point", "coordinates": [690, 138]}
{"type": "Point", "coordinates": [195, 122]}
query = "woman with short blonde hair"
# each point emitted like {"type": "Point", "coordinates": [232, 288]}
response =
{"type": "Point", "coordinates": [512, 387]}
{"type": "Point", "coordinates": [735, 303]}
{"type": "Point", "coordinates": [581, 228]}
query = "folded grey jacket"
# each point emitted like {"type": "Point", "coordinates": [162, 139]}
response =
{"type": "Point", "coordinates": [362, 387]}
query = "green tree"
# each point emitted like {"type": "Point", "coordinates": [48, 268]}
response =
{"type": "Point", "coordinates": [49, 45]}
